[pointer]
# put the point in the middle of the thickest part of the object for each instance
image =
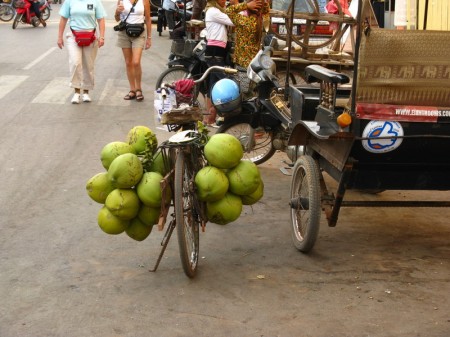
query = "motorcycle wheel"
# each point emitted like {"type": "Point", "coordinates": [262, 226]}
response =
{"type": "Point", "coordinates": [6, 12]}
{"type": "Point", "coordinates": [178, 73]}
{"type": "Point", "coordinates": [46, 14]}
{"type": "Point", "coordinates": [260, 149]}
{"type": "Point", "coordinates": [16, 21]}
{"type": "Point", "coordinates": [35, 21]}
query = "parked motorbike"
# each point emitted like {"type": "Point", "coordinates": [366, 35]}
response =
{"type": "Point", "coordinates": [24, 13]}
{"type": "Point", "coordinates": [262, 123]}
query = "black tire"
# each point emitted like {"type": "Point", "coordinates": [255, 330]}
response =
{"type": "Point", "coordinates": [171, 75]}
{"type": "Point", "coordinates": [305, 203]}
{"type": "Point", "coordinates": [6, 12]}
{"type": "Point", "coordinates": [187, 221]}
{"type": "Point", "coordinates": [45, 14]}
{"type": "Point", "coordinates": [177, 73]}
{"type": "Point", "coordinates": [258, 152]}
{"type": "Point", "coordinates": [16, 21]}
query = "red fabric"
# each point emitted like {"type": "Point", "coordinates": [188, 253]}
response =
{"type": "Point", "coordinates": [332, 8]}
{"type": "Point", "coordinates": [184, 86]}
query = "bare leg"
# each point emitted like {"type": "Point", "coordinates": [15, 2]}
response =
{"type": "Point", "coordinates": [128, 55]}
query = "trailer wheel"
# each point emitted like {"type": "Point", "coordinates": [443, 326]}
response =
{"type": "Point", "coordinates": [305, 203]}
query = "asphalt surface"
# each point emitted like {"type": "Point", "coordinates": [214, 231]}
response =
{"type": "Point", "coordinates": [380, 272]}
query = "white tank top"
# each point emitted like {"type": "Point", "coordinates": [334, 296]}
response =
{"type": "Point", "coordinates": [137, 16]}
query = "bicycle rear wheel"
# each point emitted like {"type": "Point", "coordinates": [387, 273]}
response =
{"type": "Point", "coordinates": [46, 14]}
{"type": "Point", "coordinates": [186, 217]}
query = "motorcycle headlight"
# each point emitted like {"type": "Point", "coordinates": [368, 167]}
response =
{"type": "Point", "coordinates": [266, 61]}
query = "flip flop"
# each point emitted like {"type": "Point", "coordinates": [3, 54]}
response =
{"type": "Point", "coordinates": [131, 95]}
{"type": "Point", "coordinates": [139, 97]}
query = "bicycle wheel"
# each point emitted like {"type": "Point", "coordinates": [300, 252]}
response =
{"type": "Point", "coordinates": [305, 203]}
{"type": "Point", "coordinates": [16, 21]}
{"type": "Point", "coordinates": [187, 221]}
{"type": "Point", "coordinates": [256, 143]}
{"type": "Point", "coordinates": [46, 14]}
{"type": "Point", "coordinates": [178, 73]}
{"type": "Point", "coordinates": [6, 12]}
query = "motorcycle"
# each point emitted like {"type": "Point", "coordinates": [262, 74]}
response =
{"type": "Point", "coordinates": [25, 14]}
{"type": "Point", "coordinates": [262, 123]}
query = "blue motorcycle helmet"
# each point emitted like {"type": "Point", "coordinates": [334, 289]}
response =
{"type": "Point", "coordinates": [226, 97]}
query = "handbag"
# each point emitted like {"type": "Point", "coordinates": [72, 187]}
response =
{"type": "Point", "coordinates": [134, 30]}
{"type": "Point", "coordinates": [84, 39]}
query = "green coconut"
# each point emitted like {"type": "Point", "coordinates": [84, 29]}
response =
{"type": "Point", "coordinates": [223, 151]}
{"type": "Point", "coordinates": [244, 178]}
{"type": "Point", "coordinates": [99, 186]}
{"type": "Point", "coordinates": [149, 189]}
{"type": "Point", "coordinates": [137, 230]}
{"type": "Point", "coordinates": [112, 150]}
{"type": "Point", "coordinates": [139, 137]}
{"type": "Point", "coordinates": [225, 210]}
{"type": "Point", "coordinates": [254, 197]}
{"type": "Point", "coordinates": [211, 183]}
{"type": "Point", "coordinates": [123, 203]}
{"type": "Point", "coordinates": [149, 215]}
{"type": "Point", "coordinates": [111, 224]}
{"type": "Point", "coordinates": [158, 164]}
{"type": "Point", "coordinates": [125, 171]}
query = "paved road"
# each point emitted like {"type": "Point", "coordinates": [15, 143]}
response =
{"type": "Point", "coordinates": [380, 272]}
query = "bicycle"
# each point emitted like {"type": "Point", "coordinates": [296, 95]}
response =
{"type": "Point", "coordinates": [183, 157]}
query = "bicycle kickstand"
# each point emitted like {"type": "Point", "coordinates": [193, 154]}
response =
{"type": "Point", "coordinates": [164, 243]}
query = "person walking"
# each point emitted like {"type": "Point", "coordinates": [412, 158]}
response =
{"type": "Point", "coordinates": [83, 18]}
{"type": "Point", "coordinates": [135, 12]}
{"type": "Point", "coordinates": [169, 11]}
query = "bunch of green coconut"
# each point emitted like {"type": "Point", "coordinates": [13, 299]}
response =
{"type": "Point", "coordinates": [130, 188]}
{"type": "Point", "coordinates": [228, 182]}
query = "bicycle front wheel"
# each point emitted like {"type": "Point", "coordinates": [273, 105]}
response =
{"type": "Point", "coordinates": [186, 217]}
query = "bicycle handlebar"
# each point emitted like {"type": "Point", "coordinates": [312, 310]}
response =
{"type": "Point", "coordinates": [202, 78]}
{"type": "Point", "coordinates": [223, 69]}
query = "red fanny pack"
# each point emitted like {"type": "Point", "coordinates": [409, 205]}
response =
{"type": "Point", "coordinates": [84, 39]}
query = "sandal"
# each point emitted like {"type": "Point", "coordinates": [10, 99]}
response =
{"type": "Point", "coordinates": [139, 97]}
{"type": "Point", "coordinates": [131, 95]}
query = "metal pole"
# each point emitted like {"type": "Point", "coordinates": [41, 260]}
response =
{"type": "Point", "coordinates": [425, 16]}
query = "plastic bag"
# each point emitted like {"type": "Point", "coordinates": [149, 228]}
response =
{"type": "Point", "coordinates": [165, 100]}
